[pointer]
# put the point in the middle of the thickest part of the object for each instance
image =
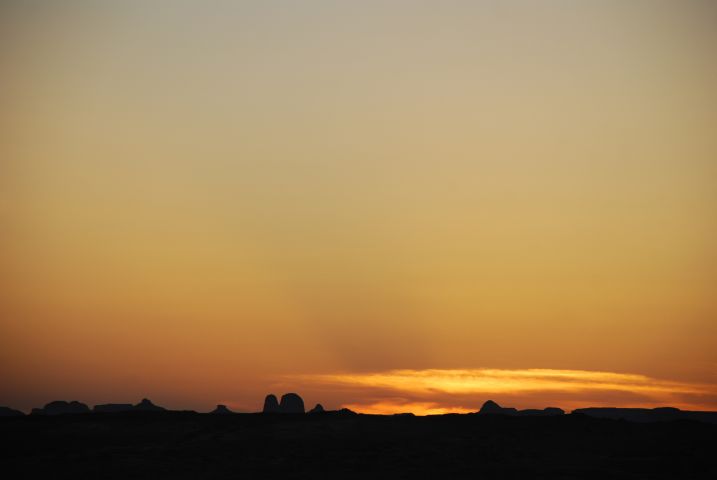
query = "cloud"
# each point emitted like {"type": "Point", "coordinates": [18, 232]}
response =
{"type": "Point", "coordinates": [460, 390]}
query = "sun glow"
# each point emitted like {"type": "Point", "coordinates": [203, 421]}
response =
{"type": "Point", "coordinates": [388, 407]}
{"type": "Point", "coordinates": [198, 203]}
{"type": "Point", "coordinates": [445, 391]}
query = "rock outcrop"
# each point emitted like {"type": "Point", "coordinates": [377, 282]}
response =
{"type": "Point", "coordinates": [10, 412]}
{"type": "Point", "coordinates": [546, 412]}
{"type": "Point", "coordinates": [644, 415]}
{"type": "Point", "coordinates": [61, 407]}
{"type": "Point", "coordinates": [291, 403]}
{"type": "Point", "coordinates": [147, 406]}
{"type": "Point", "coordinates": [490, 407]}
{"type": "Point", "coordinates": [221, 410]}
{"type": "Point", "coordinates": [317, 409]}
{"type": "Point", "coordinates": [271, 404]}
{"type": "Point", "coordinates": [346, 412]}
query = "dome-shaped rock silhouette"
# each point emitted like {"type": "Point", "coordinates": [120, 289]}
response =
{"type": "Point", "coordinates": [317, 409]}
{"type": "Point", "coordinates": [271, 404]}
{"type": "Point", "coordinates": [221, 410]}
{"type": "Point", "coordinates": [291, 403]}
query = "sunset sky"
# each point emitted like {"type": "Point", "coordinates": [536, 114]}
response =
{"type": "Point", "coordinates": [384, 205]}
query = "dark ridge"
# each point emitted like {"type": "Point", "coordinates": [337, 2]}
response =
{"type": "Point", "coordinates": [546, 412]}
{"type": "Point", "coordinates": [346, 411]}
{"type": "Point", "coordinates": [293, 403]}
{"type": "Point", "coordinates": [10, 412]}
{"type": "Point", "coordinates": [343, 445]}
{"type": "Point", "coordinates": [61, 407]}
{"type": "Point", "coordinates": [221, 410]}
{"type": "Point", "coordinates": [317, 409]}
{"type": "Point", "coordinates": [147, 406]}
{"type": "Point", "coordinates": [661, 414]}
{"type": "Point", "coordinates": [492, 408]}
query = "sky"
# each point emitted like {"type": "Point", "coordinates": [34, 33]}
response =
{"type": "Point", "coordinates": [381, 205]}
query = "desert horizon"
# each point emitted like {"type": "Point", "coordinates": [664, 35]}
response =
{"type": "Point", "coordinates": [436, 391]}
{"type": "Point", "coordinates": [385, 206]}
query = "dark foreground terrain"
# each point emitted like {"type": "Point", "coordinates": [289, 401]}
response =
{"type": "Point", "coordinates": [180, 445]}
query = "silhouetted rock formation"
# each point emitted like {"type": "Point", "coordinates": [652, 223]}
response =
{"type": "Point", "coordinates": [346, 411]}
{"type": "Point", "coordinates": [317, 409]}
{"type": "Point", "coordinates": [341, 444]}
{"type": "Point", "coordinates": [113, 407]}
{"type": "Point", "coordinates": [490, 407]}
{"type": "Point", "coordinates": [221, 410]}
{"type": "Point", "coordinates": [271, 404]}
{"type": "Point", "coordinates": [291, 403]}
{"type": "Point", "coordinates": [546, 412]}
{"type": "Point", "coordinates": [647, 414]}
{"type": "Point", "coordinates": [61, 407]}
{"type": "Point", "coordinates": [147, 406]}
{"type": "Point", "coordinates": [10, 412]}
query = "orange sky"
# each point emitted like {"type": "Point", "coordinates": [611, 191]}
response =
{"type": "Point", "coordinates": [204, 203]}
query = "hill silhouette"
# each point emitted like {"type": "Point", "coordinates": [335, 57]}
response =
{"type": "Point", "coordinates": [61, 407]}
{"type": "Point", "coordinates": [68, 440]}
{"type": "Point", "coordinates": [661, 414]}
{"type": "Point", "coordinates": [9, 412]}
{"type": "Point", "coordinates": [146, 405]}
{"type": "Point", "coordinates": [293, 403]}
{"type": "Point", "coordinates": [221, 410]}
{"type": "Point", "coordinates": [492, 408]}
{"type": "Point", "coordinates": [318, 408]}
{"type": "Point", "coordinates": [343, 444]}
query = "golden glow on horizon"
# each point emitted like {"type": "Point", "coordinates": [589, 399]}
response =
{"type": "Point", "coordinates": [515, 381]}
{"type": "Point", "coordinates": [203, 201]}
{"type": "Point", "coordinates": [388, 407]}
{"type": "Point", "coordinates": [578, 388]}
